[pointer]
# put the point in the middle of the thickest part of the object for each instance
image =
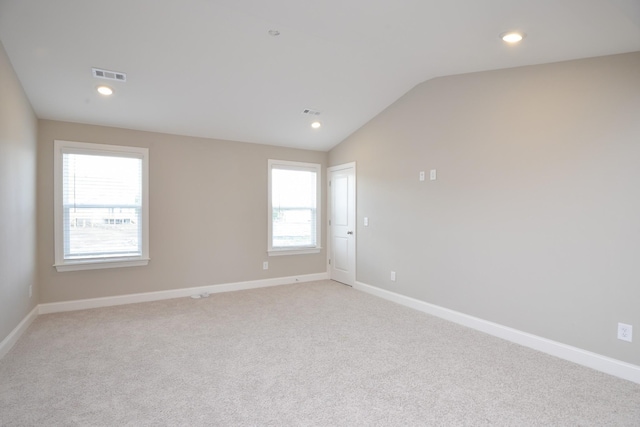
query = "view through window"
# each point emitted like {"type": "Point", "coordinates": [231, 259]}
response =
{"type": "Point", "coordinates": [102, 206]}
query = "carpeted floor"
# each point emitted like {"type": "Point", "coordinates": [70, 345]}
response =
{"type": "Point", "coordinates": [312, 354]}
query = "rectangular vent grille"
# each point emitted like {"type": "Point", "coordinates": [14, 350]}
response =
{"type": "Point", "coordinates": [310, 112]}
{"type": "Point", "coordinates": [109, 75]}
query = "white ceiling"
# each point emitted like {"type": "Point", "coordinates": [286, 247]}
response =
{"type": "Point", "coordinates": [209, 68]}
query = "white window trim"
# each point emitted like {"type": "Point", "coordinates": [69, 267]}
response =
{"type": "Point", "coordinates": [300, 250]}
{"type": "Point", "coordinates": [96, 263]}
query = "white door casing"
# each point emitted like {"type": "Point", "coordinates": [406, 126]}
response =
{"type": "Point", "coordinates": [342, 226]}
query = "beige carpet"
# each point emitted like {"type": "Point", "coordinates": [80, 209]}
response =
{"type": "Point", "coordinates": [313, 354]}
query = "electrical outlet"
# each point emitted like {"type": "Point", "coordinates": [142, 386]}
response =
{"type": "Point", "coordinates": [393, 276]}
{"type": "Point", "coordinates": [625, 332]}
{"type": "Point", "coordinates": [265, 265]}
{"type": "Point", "coordinates": [421, 176]}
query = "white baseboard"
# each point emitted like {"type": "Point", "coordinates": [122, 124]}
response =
{"type": "Point", "coordinates": [13, 337]}
{"type": "Point", "coordinates": [84, 304]}
{"type": "Point", "coordinates": [582, 357]}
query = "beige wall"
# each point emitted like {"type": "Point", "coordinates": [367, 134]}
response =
{"type": "Point", "coordinates": [534, 220]}
{"type": "Point", "coordinates": [17, 200]}
{"type": "Point", "coordinates": [208, 215]}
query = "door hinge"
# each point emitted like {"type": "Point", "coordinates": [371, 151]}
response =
{"type": "Point", "coordinates": [329, 261]}
{"type": "Point", "coordinates": [329, 222]}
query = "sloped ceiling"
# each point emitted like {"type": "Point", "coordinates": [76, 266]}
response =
{"type": "Point", "coordinates": [210, 68]}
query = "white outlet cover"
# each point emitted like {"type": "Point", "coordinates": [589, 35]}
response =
{"type": "Point", "coordinates": [625, 332]}
{"type": "Point", "coordinates": [433, 174]}
{"type": "Point", "coordinates": [421, 175]}
{"type": "Point", "coordinates": [393, 276]}
{"type": "Point", "coordinates": [265, 265]}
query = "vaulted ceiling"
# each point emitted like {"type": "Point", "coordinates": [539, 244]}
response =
{"type": "Point", "coordinates": [211, 68]}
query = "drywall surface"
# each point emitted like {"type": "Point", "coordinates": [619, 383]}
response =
{"type": "Point", "coordinates": [533, 221]}
{"type": "Point", "coordinates": [18, 143]}
{"type": "Point", "coordinates": [208, 215]}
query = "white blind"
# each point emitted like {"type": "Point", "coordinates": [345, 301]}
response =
{"type": "Point", "coordinates": [102, 206]}
{"type": "Point", "coordinates": [294, 210]}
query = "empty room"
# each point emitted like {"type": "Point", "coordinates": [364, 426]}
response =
{"type": "Point", "coordinates": [335, 213]}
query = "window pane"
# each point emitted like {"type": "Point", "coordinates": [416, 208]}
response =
{"type": "Point", "coordinates": [102, 202]}
{"type": "Point", "coordinates": [102, 232]}
{"type": "Point", "coordinates": [293, 203]}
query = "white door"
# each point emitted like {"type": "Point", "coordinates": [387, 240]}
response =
{"type": "Point", "coordinates": [342, 226]}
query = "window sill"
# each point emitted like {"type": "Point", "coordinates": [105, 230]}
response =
{"type": "Point", "coordinates": [98, 264]}
{"type": "Point", "coordinates": [293, 251]}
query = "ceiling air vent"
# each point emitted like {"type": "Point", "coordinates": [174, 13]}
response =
{"type": "Point", "coordinates": [109, 75]}
{"type": "Point", "coordinates": [310, 112]}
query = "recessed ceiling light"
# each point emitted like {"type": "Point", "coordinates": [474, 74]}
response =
{"type": "Point", "coordinates": [104, 90]}
{"type": "Point", "coordinates": [512, 36]}
{"type": "Point", "coordinates": [316, 125]}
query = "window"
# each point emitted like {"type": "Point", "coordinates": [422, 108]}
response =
{"type": "Point", "coordinates": [101, 206]}
{"type": "Point", "coordinates": [294, 208]}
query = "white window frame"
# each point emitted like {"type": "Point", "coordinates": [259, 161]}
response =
{"type": "Point", "coordinates": [295, 250]}
{"type": "Point", "coordinates": [61, 147]}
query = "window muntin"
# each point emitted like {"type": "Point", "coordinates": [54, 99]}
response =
{"type": "Point", "coordinates": [294, 207]}
{"type": "Point", "coordinates": [101, 206]}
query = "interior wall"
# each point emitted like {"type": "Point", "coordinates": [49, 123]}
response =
{"type": "Point", "coordinates": [533, 221]}
{"type": "Point", "coordinates": [18, 130]}
{"type": "Point", "coordinates": [208, 215]}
